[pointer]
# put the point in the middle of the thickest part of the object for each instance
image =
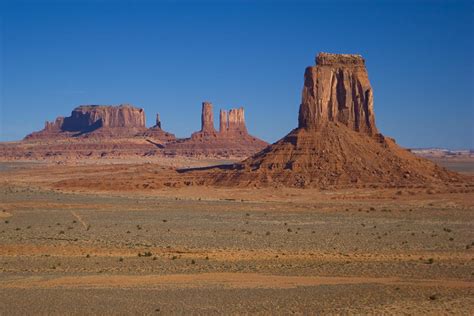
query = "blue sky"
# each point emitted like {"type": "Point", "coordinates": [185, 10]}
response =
{"type": "Point", "coordinates": [169, 56]}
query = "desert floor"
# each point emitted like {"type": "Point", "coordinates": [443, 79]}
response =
{"type": "Point", "coordinates": [206, 251]}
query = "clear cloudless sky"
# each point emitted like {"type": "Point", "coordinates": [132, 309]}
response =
{"type": "Point", "coordinates": [169, 56]}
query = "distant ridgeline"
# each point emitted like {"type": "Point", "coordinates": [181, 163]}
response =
{"type": "Point", "coordinates": [94, 126]}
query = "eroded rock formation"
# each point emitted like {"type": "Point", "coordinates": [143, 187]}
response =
{"type": "Point", "coordinates": [337, 89]}
{"type": "Point", "coordinates": [223, 121]}
{"type": "Point", "coordinates": [232, 139]}
{"type": "Point", "coordinates": [236, 121]}
{"type": "Point", "coordinates": [158, 135]}
{"type": "Point", "coordinates": [101, 120]}
{"type": "Point", "coordinates": [207, 118]}
{"type": "Point", "coordinates": [90, 117]}
{"type": "Point", "coordinates": [207, 124]}
{"type": "Point", "coordinates": [336, 142]}
{"type": "Point", "coordinates": [119, 131]}
{"type": "Point", "coordinates": [158, 121]}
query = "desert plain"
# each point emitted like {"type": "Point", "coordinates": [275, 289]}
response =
{"type": "Point", "coordinates": [70, 248]}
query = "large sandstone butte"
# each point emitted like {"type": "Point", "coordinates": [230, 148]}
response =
{"type": "Point", "coordinates": [336, 142]}
{"type": "Point", "coordinates": [231, 140]}
{"type": "Point", "coordinates": [97, 120]}
{"type": "Point", "coordinates": [337, 89]}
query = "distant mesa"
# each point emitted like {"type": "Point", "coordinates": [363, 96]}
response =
{"type": "Point", "coordinates": [95, 120]}
{"type": "Point", "coordinates": [112, 131]}
{"type": "Point", "coordinates": [336, 142]}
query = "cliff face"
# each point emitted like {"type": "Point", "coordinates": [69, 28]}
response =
{"type": "Point", "coordinates": [232, 139]}
{"type": "Point", "coordinates": [337, 89]}
{"type": "Point", "coordinates": [91, 117]}
{"type": "Point", "coordinates": [232, 122]}
{"type": "Point", "coordinates": [223, 121]}
{"type": "Point", "coordinates": [207, 118]}
{"type": "Point", "coordinates": [107, 120]}
{"type": "Point", "coordinates": [336, 142]}
{"type": "Point", "coordinates": [236, 121]}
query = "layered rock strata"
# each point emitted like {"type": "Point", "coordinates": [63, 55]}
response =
{"type": "Point", "coordinates": [119, 131]}
{"type": "Point", "coordinates": [337, 89]}
{"type": "Point", "coordinates": [336, 143]}
{"type": "Point", "coordinates": [95, 120]}
{"type": "Point", "coordinates": [232, 140]}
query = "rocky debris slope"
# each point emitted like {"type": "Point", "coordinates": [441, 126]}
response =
{"type": "Point", "coordinates": [336, 142]}
{"type": "Point", "coordinates": [232, 140]}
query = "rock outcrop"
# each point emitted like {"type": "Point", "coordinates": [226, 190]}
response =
{"type": "Point", "coordinates": [336, 142]}
{"type": "Point", "coordinates": [91, 117]}
{"type": "Point", "coordinates": [207, 118]}
{"type": "Point", "coordinates": [157, 134]}
{"type": "Point", "coordinates": [207, 124]}
{"type": "Point", "coordinates": [119, 131]}
{"type": "Point", "coordinates": [223, 122]}
{"type": "Point", "coordinates": [158, 121]}
{"type": "Point", "coordinates": [337, 89]}
{"type": "Point", "coordinates": [96, 120]}
{"type": "Point", "coordinates": [232, 140]}
{"type": "Point", "coordinates": [236, 122]}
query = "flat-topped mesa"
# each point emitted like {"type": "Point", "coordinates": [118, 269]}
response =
{"type": "Point", "coordinates": [91, 117]}
{"type": "Point", "coordinates": [103, 120]}
{"type": "Point", "coordinates": [337, 89]}
{"type": "Point", "coordinates": [207, 118]}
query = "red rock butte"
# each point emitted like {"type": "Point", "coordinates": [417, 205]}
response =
{"type": "Point", "coordinates": [231, 140]}
{"type": "Point", "coordinates": [95, 120]}
{"type": "Point", "coordinates": [337, 89]}
{"type": "Point", "coordinates": [120, 131]}
{"type": "Point", "coordinates": [336, 143]}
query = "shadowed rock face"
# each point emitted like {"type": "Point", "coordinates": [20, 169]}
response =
{"type": "Point", "coordinates": [91, 117]}
{"type": "Point", "coordinates": [158, 121]}
{"type": "Point", "coordinates": [103, 120]}
{"type": "Point", "coordinates": [337, 89]}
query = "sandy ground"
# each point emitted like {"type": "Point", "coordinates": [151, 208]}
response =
{"type": "Point", "coordinates": [204, 250]}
